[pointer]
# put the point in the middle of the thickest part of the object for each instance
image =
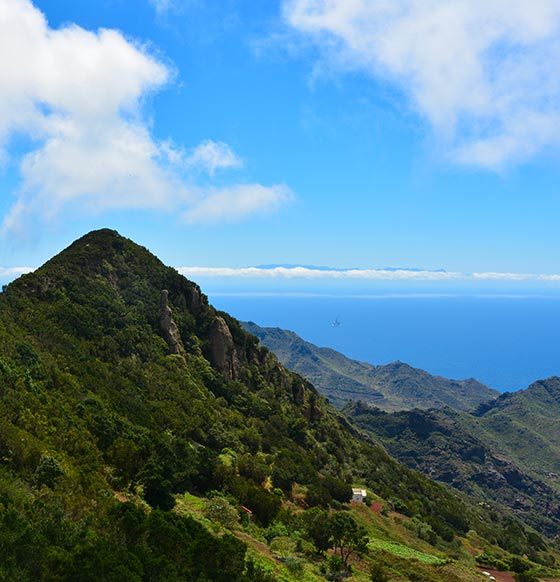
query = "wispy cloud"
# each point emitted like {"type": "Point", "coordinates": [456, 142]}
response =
{"type": "Point", "coordinates": [78, 96]}
{"type": "Point", "coordinates": [210, 156]}
{"type": "Point", "coordinates": [163, 6]}
{"type": "Point", "coordinates": [230, 204]}
{"type": "Point", "coordinates": [507, 276]}
{"type": "Point", "coordinates": [482, 73]}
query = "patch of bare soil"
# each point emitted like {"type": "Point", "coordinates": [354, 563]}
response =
{"type": "Point", "coordinates": [376, 506]}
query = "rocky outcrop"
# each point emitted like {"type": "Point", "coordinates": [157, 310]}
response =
{"type": "Point", "coordinates": [169, 327]}
{"type": "Point", "coordinates": [195, 300]}
{"type": "Point", "coordinates": [223, 354]}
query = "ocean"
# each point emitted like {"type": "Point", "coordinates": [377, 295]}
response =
{"type": "Point", "coordinates": [507, 342]}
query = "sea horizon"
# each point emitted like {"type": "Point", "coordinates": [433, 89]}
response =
{"type": "Point", "coordinates": [506, 341]}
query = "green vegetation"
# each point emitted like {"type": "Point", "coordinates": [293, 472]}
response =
{"type": "Point", "coordinates": [448, 446]}
{"type": "Point", "coordinates": [395, 386]}
{"type": "Point", "coordinates": [143, 440]}
{"type": "Point", "coordinates": [526, 427]}
{"type": "Point", "coordinates": [403, 551]}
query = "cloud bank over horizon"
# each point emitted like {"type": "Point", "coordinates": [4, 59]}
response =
{"type": "Point", "coordinates": [309, 273]}
{"type": "Point", "coordinates": [386, 274]}
{"type": "Point", "coordinates": [75, 99]}
{"type": "Point", "coordinates": [480, 73]}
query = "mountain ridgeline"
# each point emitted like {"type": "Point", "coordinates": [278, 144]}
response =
{"type": "Point", "coordinates": [124, 394]}
{"type": "Point", "coordinates": [506, 450]}
{"type": "Point", "coordinates": [395, 386]}
{"type": "Point", "coordinates": [446, 446]}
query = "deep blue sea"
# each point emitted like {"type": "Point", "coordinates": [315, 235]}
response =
{"type": "Point", "coordinates": [505, 342]}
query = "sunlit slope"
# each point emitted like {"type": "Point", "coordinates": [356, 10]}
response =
{"type": "Point", "coordinates": [119, 382]}
{"type": "Point", "coordinates": [395, 386]}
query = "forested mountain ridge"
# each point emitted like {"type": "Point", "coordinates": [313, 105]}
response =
{"type": "Point", "coordinates": [506, 451]}
{"type": "Point", "coordinates": [119, 382]}
{"type": "Point", "coordinates": [395, 386]}
{"type": "Point", "coordinates": [442, 445]}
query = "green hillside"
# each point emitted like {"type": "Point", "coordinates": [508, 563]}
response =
{"type": "Point", "coordinates": [440, 444]}
{"type": "Point", "coordinates": [395, 386]}
{"type": "Point", "coordinates": [526, 426]}
{"type": "Point", "coordinates": [139, 427]}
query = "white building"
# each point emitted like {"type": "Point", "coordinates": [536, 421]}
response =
{"type": "Point", "coordinates": [359, 495]}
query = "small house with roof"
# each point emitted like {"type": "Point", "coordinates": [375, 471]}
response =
{"type": "Point", "coordinates": [359, 495]}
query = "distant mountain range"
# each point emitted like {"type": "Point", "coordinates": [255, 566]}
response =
{"type": "Point", "coordinates": [395, 386]}
{"type": "Point", "coordinates": [500, 449]}
{"type": "Point", "coordinates": [449, 447]}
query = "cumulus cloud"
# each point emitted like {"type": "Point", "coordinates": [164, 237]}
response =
{"type": "Point", "coordinates": [77, 97]}
{"type": "Point", "coordinates": [481, 72]}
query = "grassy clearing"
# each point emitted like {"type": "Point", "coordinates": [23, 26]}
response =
{"type": "Point", "coordinates": [406, 552]}
{"type": "Point", "coordinates": [193, 502]}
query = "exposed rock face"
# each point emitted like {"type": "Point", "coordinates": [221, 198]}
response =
{"type": "Point", "coordinates": [222, 349]}
{"type": "Point", "coordinates": [195, 301]}
{"type": "Point", "coordinates": [169, 327]}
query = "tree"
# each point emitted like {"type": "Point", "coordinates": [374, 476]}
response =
{"type": "Point", "coordinates": [346, 536]}
{"type": "Point", "coordinates": [264, 505]}
{"type": "Point", "coordinates": [338, 489]}
{"type": "Point", "coordinates": [48, 471]}
{"type": "Point", "coordinates": [220, 510]}
{"type": "Point", "coordinates": [316, 524]}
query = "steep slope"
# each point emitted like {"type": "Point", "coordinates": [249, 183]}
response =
{"type": "Point", "coordinates": [525, 425]}
{"type": "Point", "coordinates": [396, 386]}
{"type": "Point", "coordinates": [118, 381]}
{"type": "Point", "coordinates": [439, 444]}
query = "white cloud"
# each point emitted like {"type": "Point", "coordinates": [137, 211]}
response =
{"type": "Point", "coordinates": [77, 96]}
{"type": "Point", "coordinates": [167, 7]}
{"type": "Point", "coordinates": [483, 73]}
{"type": "Point", "coordinates": [162, 6]}
{"type": "Point", "coordinates": [506, 276]}
{"type": "Point", "coordinates": [310, 273]}
{"type": "Point", "coordinates": [231, 204]}
{"type": "Point", "coordinates": [210, 156]}
{"type": "Point", "coordinates": [298, 272]}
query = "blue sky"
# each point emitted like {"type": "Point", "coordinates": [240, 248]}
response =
{"type": "Point", "coordinates": [345, 133]}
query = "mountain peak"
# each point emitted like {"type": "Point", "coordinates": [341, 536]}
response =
{"type": "Point", "coordinates": [101, 278]}
{"type": "Point", "coordinates": [100, 253]}
{"type": "Point", "coordinates": [98, 245]}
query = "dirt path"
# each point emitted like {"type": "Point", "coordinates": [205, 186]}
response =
{"type": "Point", "coordinates": [255, 544]}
